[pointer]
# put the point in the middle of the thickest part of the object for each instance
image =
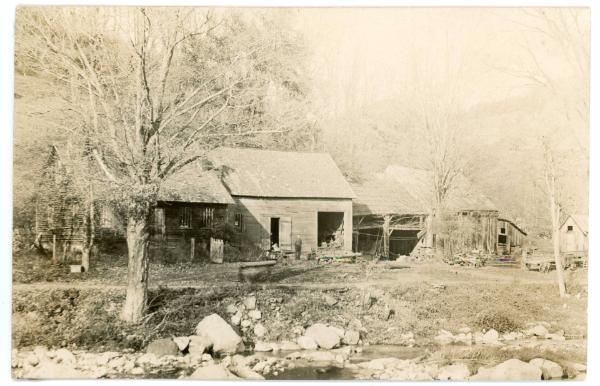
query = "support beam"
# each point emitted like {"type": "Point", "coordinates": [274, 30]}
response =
{"type": "Point", "coordinates": [386, 235]}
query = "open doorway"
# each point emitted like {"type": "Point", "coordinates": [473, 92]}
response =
{"type": "Point", "coordinates": [330, 228]}
{"type": "Point", "coordinates": [274, 231]}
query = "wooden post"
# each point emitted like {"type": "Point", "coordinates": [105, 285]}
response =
{"type": "Point", "coordinates": [386, 235]}
{"type": "Point", "coordinates": [54, 248]}
{"type": "Point", "coordinates": [192, 248]}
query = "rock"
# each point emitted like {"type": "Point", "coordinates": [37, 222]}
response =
{"type": "Point", "coordinates": [338, 330]}
{"type": "Point", "coordinates": [286, 345]}
{"type": "Point", "coordinates": [510, 336]}
{"type": "Point", "coordinates": [578, 367]}
{"type": "Point", "coordinates": [206, 357]}
{"type": "Point", "coordinates": [255, 314]}
{"type": "Point", "coordinates": [464, 338]}
{"type": "Point", "coordinates": [444, 337]}
{"type": "Point", "coordinates": [220, 334]}
{"type": "Point", "coordinates": [246, 323]}
{"type": "Point", "coordinates": [326, 337]}
{"type": "Point", "coordinates": [182, 342]}
{"type": "Point", "coordinates": [490, 337]}
{"type": "Point", "coordinates": [260, 366]}
{"type": "Point", "coordinates": [351, 337]}
{"type": "Point", "coordinates": [478, 337]}
{"type": "Point", "coordinates": [199, 344]}
{"type": "Point", "coordinates": [231, 309]}
{"type": "Point", "coordinates": [137, 371]}
{"type": "Point", "coordinates": [213, 372]}
{"type": "Point", "coordinates": [555, 337]}
{"type": "Point", "coordinates": [245, 373]}
{"type": "Point", "coordinates": [161, 347]}
{"type": "Point", "coordinates": [236, 318]}
{"type": "Point", "coordinates": [250, 302]}
{"type": "Point", "coordinates": [64, 356]}
{"type": "Point", "coordinates": [330, 300]}
{"type": "Point", "coordinates": [510, 370]}
{"type": "Point", "coordinates": [550, 370]}
{"type": "Point", "coordinates": [456, 372]}
{"type": "Point", "coordinates": [262, 347]}
{"type": "Point", "coordinates": [355, 324]}
{"type": "Point", "coordinates": [47, 369]}
{"type": "Point", "coordinates": [260, 330]}
{"type": "Point", "coordinates": [307, 343]}
{"type": "Point", "coordinates": [464, 330]}
{"type": "Point", "coordinates": [538, 330]}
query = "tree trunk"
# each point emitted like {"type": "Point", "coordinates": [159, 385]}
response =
{"type": "Point", "coordinates": [138, 236]}
{"type": "Point", "coordinates": [555, 213]}
{"type": "Point", "coordinates": [88, 241]}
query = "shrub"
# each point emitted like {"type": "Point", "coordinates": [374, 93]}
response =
{"type": "Point", "coordinates": [500, 320]}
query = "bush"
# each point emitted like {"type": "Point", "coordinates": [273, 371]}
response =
{"type": "Point", "coordinates": [500, 320]}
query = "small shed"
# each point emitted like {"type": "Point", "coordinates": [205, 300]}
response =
{"type": "Point", "coordinates": [510, 236]}
{"type": "Point", "coordinates": [574, 235]}
{"type": "Point", "coordinates": [280, 196]}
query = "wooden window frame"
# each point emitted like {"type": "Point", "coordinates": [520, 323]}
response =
{"type": "Point", "coordinates": [185, 217]}
{"type": "Point", "coordinates": [238, 222]}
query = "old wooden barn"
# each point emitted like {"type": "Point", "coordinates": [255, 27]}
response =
{"type": "Point", "coordinates": [397, 200]}
{"type": "Point", "coordinates": [282, 196]}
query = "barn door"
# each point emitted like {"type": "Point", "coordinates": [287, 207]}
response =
{"type": "Point", "coordinates": [285, 233]}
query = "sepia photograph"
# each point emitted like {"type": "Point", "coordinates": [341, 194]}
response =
{"type": "Point", "coordinates": [299, 193]}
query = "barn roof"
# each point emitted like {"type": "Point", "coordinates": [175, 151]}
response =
{"type": "Point", "coordinates": [380, 197]}
{"type": "Point", "coordinates": [192, 184]}
{"type": "Point", "coordinates": [400, 189]}
{"type": "Point", "coordinates": [501, 218]}
{"type": "Point", "coordinates": [268, 173]}
{"type": "Point", "coordinates": [581, 220]}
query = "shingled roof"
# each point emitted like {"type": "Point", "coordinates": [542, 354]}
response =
{"type": "Point", "coordinates": [192, 184]}
{"type": "Point", "coordinates": [268, 173]}
{"type": "Point", "coordinates": [380, 197]}
{"type": "Point", "coordinates": [404, 190]}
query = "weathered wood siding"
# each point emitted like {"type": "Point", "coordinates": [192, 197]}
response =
{"type": "Point", "coordinates": [302, 212]}
{"type": "Point", "coordinates": [574, 240]}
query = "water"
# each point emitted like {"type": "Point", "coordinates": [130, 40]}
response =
{"type": "Point", "coordinates": [315, 373]}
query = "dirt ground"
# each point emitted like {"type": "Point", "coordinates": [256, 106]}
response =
{"type": "Point", "coordinates": [55, 308]}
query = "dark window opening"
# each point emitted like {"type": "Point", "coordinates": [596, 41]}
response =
{"type": "Point", "coordinates": [238, 222]}
{"type": "Point", "coordinates": [502, 230]}
{"type": "Point", "coordinates": [569, 228]}
{"type": "Point", "coordinates": [275, 231]}
{"type": "Point", "coordinates": [185, 217]}
{"type": "Point", "coordinates": [206, 219]}
{"type": "Point", "coordinates": [502, 239]}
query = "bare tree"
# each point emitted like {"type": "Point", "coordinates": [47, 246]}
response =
{"type": "Point", "coordinates": [161, 88]}
{"type": "Point", "coordinates": [563, 35]}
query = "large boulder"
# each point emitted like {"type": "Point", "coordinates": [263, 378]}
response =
{"type": "Point", "coordinates": [162, 347]}
{"type": "Point", "coordinates": [490, 337]}
{"type": "Point", "coordinates": [510, 370]}
{"type": "Point", "coordinates": [550, 370]}
{"type": "Point", "coordinates": [260, 330]}
{"type": "Point", "coordinates": [351, 337]}
{"type": "Point", "coordinates": [246, 373]}
{"type": "Point", "coordinates": [538, 330]}
{"type": "Point", "coordinates": [198, 345]}
{"type": "Point", "coordinates": [325, 336]}
{"type": "Point", "coordinates": [307, 343]}
{"type": "Point", "coordinates": [456, 372]}
{"type": "Point", "coordinates": [222, 336]}
{"type": "Point", "coordinates": [213, 372]}
{"type": "Point", "coordinates": [286, 345]}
